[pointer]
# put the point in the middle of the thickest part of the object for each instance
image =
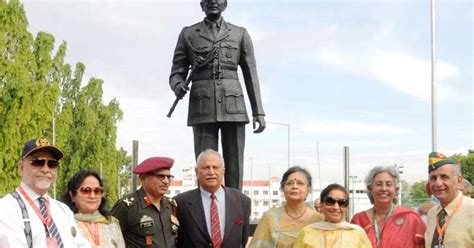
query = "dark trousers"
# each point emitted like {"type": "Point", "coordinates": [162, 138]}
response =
{"type": "Point", "coordinates": [206, 136]}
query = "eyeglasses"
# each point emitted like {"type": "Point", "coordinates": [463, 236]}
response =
{"type": "Point", "coordinates": [329, 201]}
{"type": "Point", "coordinates": [162, 177]}
{"type": "Point", "coordinates": [88, 191]}
{"type": "Point", "coordinates": [39, 163]}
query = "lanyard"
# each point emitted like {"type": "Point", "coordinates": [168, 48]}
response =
{"type": "Point", "coordinates": [442, 230]}
{"type": "Point", "coordinates": [46, 220]}
{"type": "Point", "coordinates": [376, 225]}
{"type": "Point", "coordinates": [93, 229]}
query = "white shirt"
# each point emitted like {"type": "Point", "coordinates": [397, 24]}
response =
{"type": "Point", "coordinates": [12, 225]}
{"type": "Point", "coordinates": [206, 204]}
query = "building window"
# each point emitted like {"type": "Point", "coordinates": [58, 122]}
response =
{"type": "Point", "coordinates": [265, 192]}
{"type": "Point", "coordinates": [256, 203]}
{"type": "Point", "coordinates": [274, 201]}
{"type": "Point", "coordinates": [246, 192]}
{"type": "Point", "coordinates": [255, 192]}
{"type": "Point", "coordinates": [168, 192]}
{"type": "Point", "coordinates": [275, 192]}
{"type": "Point", "coordinates": [265, 203]}
{"type": "Point", "coordinates": [176, 192]}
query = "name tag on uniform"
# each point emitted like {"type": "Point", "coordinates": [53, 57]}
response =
{"type": "Point", "coordinates": [146, 221]}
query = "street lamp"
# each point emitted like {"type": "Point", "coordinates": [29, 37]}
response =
{"type": "Point", "coordinates": [353, 194]}
{"type": "Point", "coordinates": [288, 127]}
{"type": "Point", "coordinates": [400, 171]}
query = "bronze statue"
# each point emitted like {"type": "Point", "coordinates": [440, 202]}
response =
{"type": "Point", "coordinates": [213, 49]}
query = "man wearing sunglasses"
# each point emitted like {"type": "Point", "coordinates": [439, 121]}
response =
{"type": "Point", "coordinates": [146, 215]}
{"type": "Point", "coordinates": [28, 216]}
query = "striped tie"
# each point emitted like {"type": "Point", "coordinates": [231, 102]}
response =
{"type": "Point", "coordinates": [52, 230]}
{"type": "Point", "coordinates": [441, 220]}
{"type": "Point", "coordinates": [215, 226]}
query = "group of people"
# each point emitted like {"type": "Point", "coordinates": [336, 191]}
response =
{"type": "Point", "coordinates": [213, 215]}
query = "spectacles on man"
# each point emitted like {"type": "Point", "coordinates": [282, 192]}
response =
{"type": "Point", "coordinates": [162, 177]}
{"type": "Point", "coordinates": [88, 191]}
{"type": "Point", "coordinates": [329, 201]}
{"type": "Point", "coordinates": [39, 163]}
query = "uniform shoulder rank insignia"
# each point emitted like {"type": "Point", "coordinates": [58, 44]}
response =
{"type": "Point", "coordinates": [129, 200]}
{"type": "Point", "coordinates": [172, 202]}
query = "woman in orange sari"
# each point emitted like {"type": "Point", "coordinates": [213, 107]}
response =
{"type": "Point", "coordinates": [386, 224]}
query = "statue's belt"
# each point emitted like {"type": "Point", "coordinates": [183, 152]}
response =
{"type": "Point", "coordinates": [220, 74]}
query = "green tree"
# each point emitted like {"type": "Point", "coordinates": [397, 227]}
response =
{"type": "Point", "coordinates": [37, 87]}
{"type": "Point", "coordinates": [28, 90]}
{"type": "Point", "coordinates": [418, 193]}
{"type": "Point", "coordinates": [467, 165]}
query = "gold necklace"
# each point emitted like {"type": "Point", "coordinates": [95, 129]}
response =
{"type": "Point", "coordinates": [295, 218]}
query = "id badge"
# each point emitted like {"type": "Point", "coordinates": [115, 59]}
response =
{"type": "Point", "coordinates": [439, 246]}
{"type": "Point", "coordinates": [51, 242]}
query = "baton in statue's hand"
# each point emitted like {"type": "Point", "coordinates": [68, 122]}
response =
{"type": "Point", "coordinates": [188, 80]}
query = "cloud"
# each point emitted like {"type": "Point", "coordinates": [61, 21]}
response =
{"type": "Point", "coordinates": [411, 75]}
{"type": "Point", "coordinates": [352, 128]}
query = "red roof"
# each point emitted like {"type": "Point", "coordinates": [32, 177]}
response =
{"type": "Point", "coordinates": [176, 183]}
{"type": "Point", "coordinates": [256, 183]}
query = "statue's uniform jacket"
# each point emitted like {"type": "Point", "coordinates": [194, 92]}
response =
{"type": "Point", "coordinates": [216, 94]}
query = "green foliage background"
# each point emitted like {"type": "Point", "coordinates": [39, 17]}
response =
{"type": "Point", "coordinates": [36, 85]}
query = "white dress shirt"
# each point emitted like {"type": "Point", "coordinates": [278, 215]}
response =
{"type": "Point", "coordinates": [12, 225]}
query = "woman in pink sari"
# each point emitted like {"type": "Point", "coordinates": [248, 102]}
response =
{"type": "Point", "coordinates": [386, 224]}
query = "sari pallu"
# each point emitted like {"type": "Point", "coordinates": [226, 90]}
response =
{"type": "Point", "coordinates": [404, 229]}
{"type": "Point", "coordinates": [99, 230]}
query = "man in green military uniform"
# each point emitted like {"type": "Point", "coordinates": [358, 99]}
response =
{"type": "Point", "coordinates": [146, 216]}
{"type": "Point", "coordinates": [215, 49]}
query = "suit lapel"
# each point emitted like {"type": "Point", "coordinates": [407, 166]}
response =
{"type": "Point", "coordinates": [232, 212]}
{"type": "Point", "coordinates": [196, 211]}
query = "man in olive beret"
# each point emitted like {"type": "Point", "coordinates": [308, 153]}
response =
{"type": "Point", "coordinates": [146, 216]}
{"type": "Point", "coordinates": [449, 224]}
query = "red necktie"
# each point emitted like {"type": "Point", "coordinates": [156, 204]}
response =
{"type": "Point", "coordinates": [215, 226]}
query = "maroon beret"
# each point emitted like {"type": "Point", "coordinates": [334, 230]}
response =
{"type": "Point", "coordinates": [153, 164]}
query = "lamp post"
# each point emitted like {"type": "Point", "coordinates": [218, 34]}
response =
{"type": "Point", "coordinates": [400, 171]}
{"type": "Point", "coordinates": [353, 194]}
{"type": "Point", "coordinates": [288, 128]}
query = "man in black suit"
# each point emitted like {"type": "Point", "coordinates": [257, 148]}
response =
{"type": "Point", "coordinates": [215, 49]}
{"type": "Point", "coordinates": [212, 215]}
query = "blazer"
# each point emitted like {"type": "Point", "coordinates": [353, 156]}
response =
{"type": "Point", "coordinates": [192, 231]}
{"type": "Point", "coordinates": [216, 94]}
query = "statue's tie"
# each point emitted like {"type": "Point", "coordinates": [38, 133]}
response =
{"type": "Point", "coordinates": [441, 220]}
{"type": "Point", "coordinates": [52, 230]}
{"type": "Point", "coordinates": [214, 30]}
{"type": "Point", "coordinates": [215, 226]}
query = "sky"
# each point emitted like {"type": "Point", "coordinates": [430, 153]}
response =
{"type": "Point", "coordinates": [338, 73]}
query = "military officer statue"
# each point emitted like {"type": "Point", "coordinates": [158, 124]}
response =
{"type": "Point", "coordinates": [213, 49]}
{"type": "Point", "coordinates": [146, 216]}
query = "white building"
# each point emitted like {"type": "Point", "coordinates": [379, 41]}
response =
{"type": "Point", "coordinates": [266, 194]}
